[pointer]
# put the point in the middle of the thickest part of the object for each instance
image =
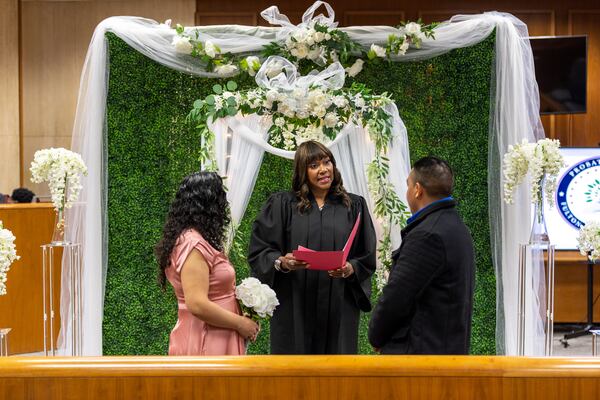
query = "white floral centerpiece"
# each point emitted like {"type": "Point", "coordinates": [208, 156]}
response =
{"type": "Point", "coordinates": [61, 168]}
{"type": "Point", "coordinates": [588, 240]}
{"type": "Point", "coordinates": [542, 161]}
{"type": "Point", "coordinates": [8, 254]}
{"type": "Point", "coordinates": [257, 300]}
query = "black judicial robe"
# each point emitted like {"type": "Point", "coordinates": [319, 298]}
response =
{"type": "Point", "coordinates": [317, 314]}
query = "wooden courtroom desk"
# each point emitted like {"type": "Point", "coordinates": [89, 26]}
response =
{"type": "Point", "coordinates": [21, 308]}
{"type": "Point", "coordinates": [300, 377]}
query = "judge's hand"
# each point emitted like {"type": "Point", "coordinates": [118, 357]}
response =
{"type": "Point", "coordinates": [291, 263]}
{"type": "Point", "coordinates": [346, 271]}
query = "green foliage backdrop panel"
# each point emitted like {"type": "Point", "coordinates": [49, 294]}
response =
{"type": "Point", "coordinates": [444, 103]}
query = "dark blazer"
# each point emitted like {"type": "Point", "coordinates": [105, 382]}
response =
{"type": "Point", "coordinates": [426, 306]}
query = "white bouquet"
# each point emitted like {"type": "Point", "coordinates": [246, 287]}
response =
{"type": "Point", "coordinates": [542, 160]}
{"type": "Point", "coordinates": [8, 254]}
{"type": "Point", "coordinates": [589, 240]}
{"type": "Point", "coordinates": [258, 301]}
{"type": "Point", "coordinates": [61, 169]}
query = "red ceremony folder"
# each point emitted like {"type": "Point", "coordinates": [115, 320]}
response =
{"type": "Point", "coordinates": [327, 260]}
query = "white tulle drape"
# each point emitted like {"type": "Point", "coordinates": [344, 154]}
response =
{"type": "Point", "coordinates": [513, 114]}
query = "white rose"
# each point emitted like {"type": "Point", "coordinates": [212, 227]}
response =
{"type": "Point", "coordinates": [302, 114]}
{"type": "Point", "coordinates": [320, 111]}
{"type": "Point", "coordinates": [272, 95]}
{"type": "Point", "coordinates": [210, 49]}
{"type": "Point", "coordinates": [299, 35]}
{"type": "Point", "coordinates": [340, 101]}
{"type": "Point", "coordinates": [359, 101]}
{"type": "Point", "coordinates": [412, 28]}
{"type": "Point", "coordinates": [310, 41]}
{"type": "Point", "coordinates": [378, 50]}
{"type": "Point", "coordinates": [355, 68]}
{"type": "Point", "coordinates": [404, 47]}
{"type": "Point", "coordinates": [327, 36]}
{"type": "Point", "coordinates": [226, 69]}
{"type": "Point", "coordinates": [319, 37]}
{"type": "Point", "coordinates": [182, 44]}
{"type": "Point", "coordinates": [253, 64]}
{"type": "Point", "coordinates": [301, 51]}
{"type": "Point", "coordinates": [330, 120]}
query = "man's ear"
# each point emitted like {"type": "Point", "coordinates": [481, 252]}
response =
{"type": "Point", "coordinates": [418, 190]}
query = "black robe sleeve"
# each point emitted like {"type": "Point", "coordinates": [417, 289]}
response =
{"type": "Point", "coordinates": [363, 256]}
{"type": "Point", "coordinates": [268, 238]}
{"type": "Point", "coordinates": [418, 262]}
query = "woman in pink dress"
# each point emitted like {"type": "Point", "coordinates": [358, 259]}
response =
{"type": "Point", "coordinates": [191, 257]}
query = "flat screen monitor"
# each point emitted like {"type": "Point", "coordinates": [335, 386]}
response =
{"type": "Point", "coordinates": [577, 196]}
{"type": "Point", "coordinates": [561, 73]}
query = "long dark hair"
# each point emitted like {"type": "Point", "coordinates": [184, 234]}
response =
{"type": "Point", "coordinates": [307, 153]}
{"type": "Point", "coordinates": [200, 204]}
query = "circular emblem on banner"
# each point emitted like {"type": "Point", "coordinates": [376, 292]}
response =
{"type": "Point", "coordinates": [578, 192]}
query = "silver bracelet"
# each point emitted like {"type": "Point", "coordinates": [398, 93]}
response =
{"type": "Point", "coordinates": [277, 266]}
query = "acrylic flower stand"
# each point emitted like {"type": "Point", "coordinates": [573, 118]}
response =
{"type": "Point", "coordinates": [72, 277]}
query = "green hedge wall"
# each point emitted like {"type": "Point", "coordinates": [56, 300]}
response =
{"type": "Point", "coordinates": [444, 103]}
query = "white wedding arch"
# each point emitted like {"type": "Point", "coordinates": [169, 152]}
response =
{"type": "Point", "coordinates": [514, 116]}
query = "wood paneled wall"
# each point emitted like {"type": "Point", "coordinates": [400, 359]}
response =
{"type": "Point", "coordinates": [9, 95]}
{"type": "Point", "coordinates": [300, 377]}
{"type": "Point", "coordinates": [552, 17]}
{"type": "Point", "coordinates": [43, 44]}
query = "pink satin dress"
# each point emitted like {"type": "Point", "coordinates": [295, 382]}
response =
{"type": "Point", "coordinates": [192, 336]}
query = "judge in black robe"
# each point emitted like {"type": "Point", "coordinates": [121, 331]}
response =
{"type": "Point", "coordinates": [319, 311]}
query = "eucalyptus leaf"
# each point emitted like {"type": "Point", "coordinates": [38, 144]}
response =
{"type": "Point", "coordinates": [210, 100]}
{"type": "Point", "coordinates": [231, 86]}
{"type": "Point", "coordinates": [218, 89]}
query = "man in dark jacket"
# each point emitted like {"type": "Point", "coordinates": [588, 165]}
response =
{"type": "Point", "coordinates": [427, 304]}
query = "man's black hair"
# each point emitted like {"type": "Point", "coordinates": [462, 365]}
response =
{"type": "Point", "coordinates": [435, 175]}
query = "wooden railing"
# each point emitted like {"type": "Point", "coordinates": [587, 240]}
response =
{"type": "Point", "coordinates": [300, 377]}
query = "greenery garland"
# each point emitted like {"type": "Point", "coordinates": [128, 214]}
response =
{"type": "Point", "coordinates": [315, 44]}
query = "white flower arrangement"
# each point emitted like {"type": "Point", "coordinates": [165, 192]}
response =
{"type": "Point", "coordinates": [315, 113]}
{"type": "Point", "coordinates": [8, 254]}
{"type": "Point", "coordinates": [320, 44]}
{"type": "Point", "coordinates": [412, 34]}
{"type": "Point", "coordinates": [588, 240]}
{"type": "Point", "coordinates": [542, 160]}
{"type": "Point", "coordinates": [61, 168]}
{"type": "Point", "coordinates": [257, 300]}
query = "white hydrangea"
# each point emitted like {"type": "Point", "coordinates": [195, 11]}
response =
{"type": "Point", "coordinates": [8, 254]}
{"type": "Point", "coordinates": [256, 298]}
{"type": "Point", "coordinates": [588, 240]}
{"type": "Point", "coordinates": [61, 168]}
